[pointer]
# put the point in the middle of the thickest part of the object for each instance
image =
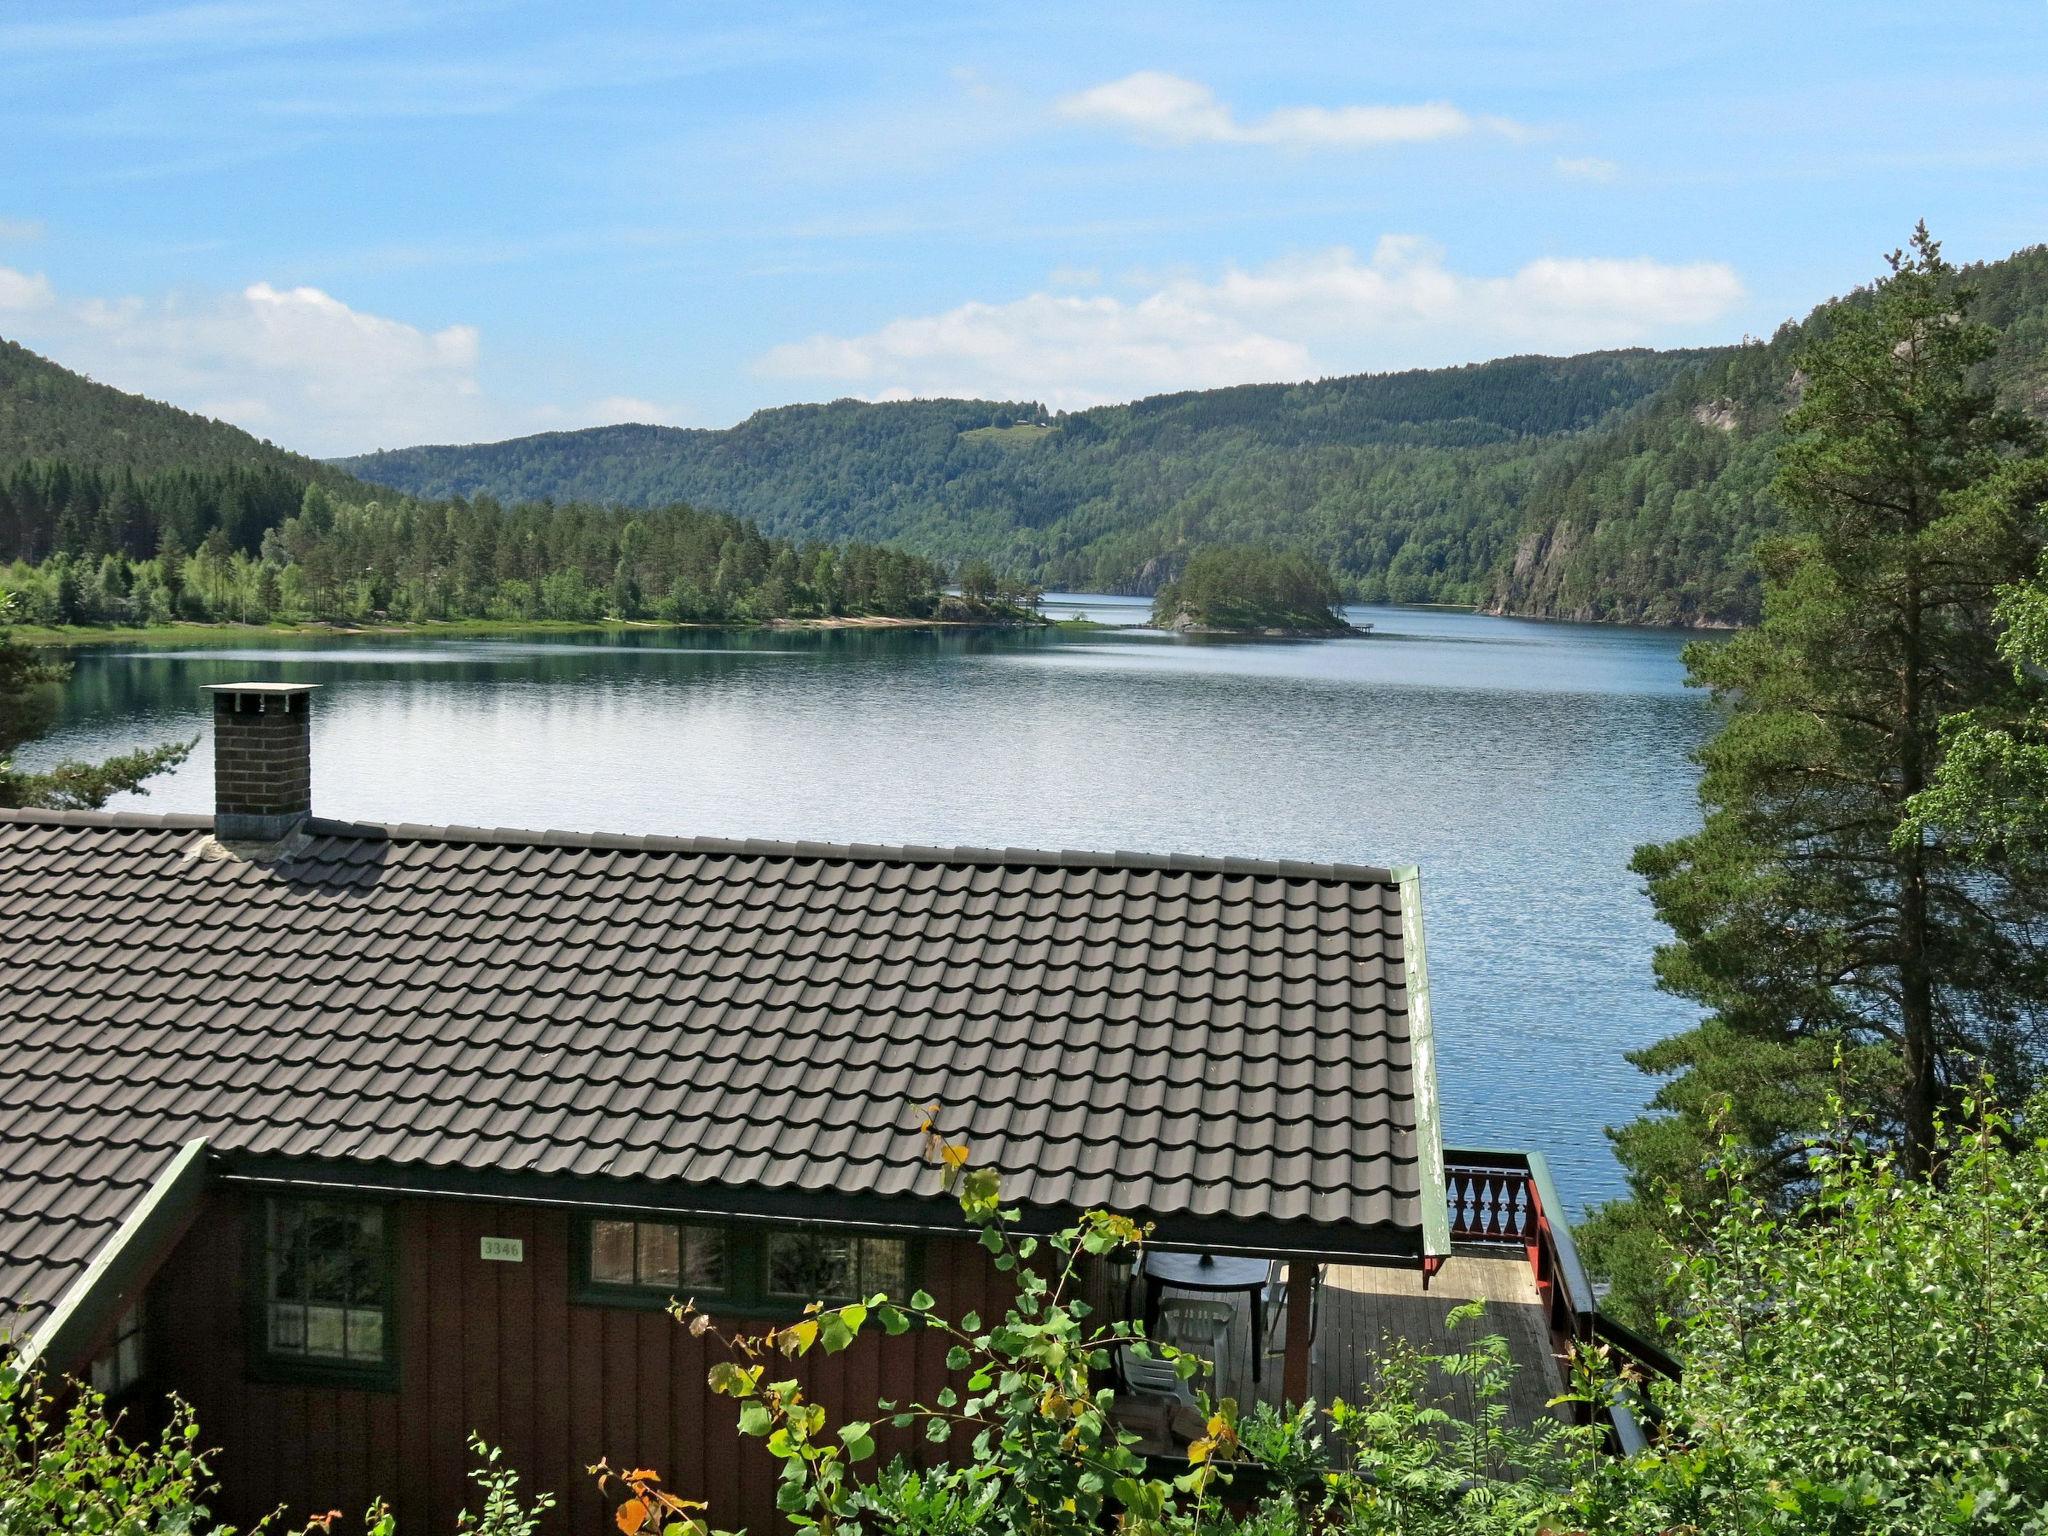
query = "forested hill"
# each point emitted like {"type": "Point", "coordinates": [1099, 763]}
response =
{"type": "Point", "coordinates": [50, 413]}
{"type": "Point", "coordinates": [1650, 521]}
{"type": "Point", "coordinates": [1408, 485]}
{"type": "Point", "coordinates": [117, 510]}
{"type": "Point", "coordinates": [1626, 486]}
{"type": "Point", "coordinates": [86, 469]}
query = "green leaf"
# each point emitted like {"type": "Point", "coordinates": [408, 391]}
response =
{"type": "Point", "coordinates": [732, 1380]}
{"type": "Point", "coordinates": [755, 1419]}
{"type": "Point", "coordinates": [922, 1301]}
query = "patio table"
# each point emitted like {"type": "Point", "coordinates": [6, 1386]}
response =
{"type": "Point", "coordinates": [1209, 1272]}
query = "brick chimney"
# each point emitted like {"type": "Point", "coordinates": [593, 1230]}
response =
{"type": "Point", "coordinates": [262, 760]}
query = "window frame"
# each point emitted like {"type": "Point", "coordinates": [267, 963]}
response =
{"type": "Point", "coordinates": [770, 1297]}
{"type": "Point", "coordinates": [268, 1364]}
{"type": "Point", "coordinates": [746, 1292]}
{"type": "Point", "coordinates": [585, 1287]}
{"type": "Point", "coordinates": [132, 1324]}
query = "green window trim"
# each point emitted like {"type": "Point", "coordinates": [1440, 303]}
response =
{"type": "Point", "coordinates": [627, 1254]}
{"type": "Point", "coordinates": [281, 1239]}
{"type": "Point", "coordinates": [747, 1250]}
{"type": "Point", "coordinates": [119, 1368]}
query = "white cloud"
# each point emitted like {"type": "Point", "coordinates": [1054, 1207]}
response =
{"type": "Point", "coordinates": [296, 365]}
{"type": "Point", "coordinates": [611, 410]}
{"type": "Point", "coordinates": [1587, 168]}
{"type": "Point", "coordinates": [20, 231]}
{"type": "Point", "coordinates": [1324, 312]}
{"type": "Point", "coordinates": [1170, 109]}
{"type": "Point", "coordinates": [1064, 349]}
{"type": "Point", "coordinates": [23, 292]}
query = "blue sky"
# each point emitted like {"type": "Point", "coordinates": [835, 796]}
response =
{"type": "Point", "coordinates": [348, 226]}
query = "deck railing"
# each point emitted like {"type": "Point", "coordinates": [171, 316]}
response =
{"type": "Point", "coordinates": [1506, 1200]}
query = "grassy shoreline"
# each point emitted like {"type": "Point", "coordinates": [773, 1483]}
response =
{"type": "Point", "coordinates": [187, 633]}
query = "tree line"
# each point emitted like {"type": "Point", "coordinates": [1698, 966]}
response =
{"type": "Point", "coordinates": [253, 546]}
{"type": "Point", "coordinates": [54, 507]}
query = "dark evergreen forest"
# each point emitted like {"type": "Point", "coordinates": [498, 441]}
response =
{"type": "Point", "coordinates": [193, 546]}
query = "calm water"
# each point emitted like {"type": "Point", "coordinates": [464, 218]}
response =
{"type": "Point", "coordinates": [1517, 763]}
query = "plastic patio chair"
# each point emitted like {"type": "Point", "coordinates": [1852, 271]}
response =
{"type": "Point", "coordinates": [1195, 1324]}
{"type": "Point", "coordinates": [1154, 1376]}
{"type": "Point", "coordinates": [1276, 1298]}
{"type": "Point", "coordinates": [1276, 1305]}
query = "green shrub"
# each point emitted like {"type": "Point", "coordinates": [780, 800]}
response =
{"type": "Point", "coordinates": [1876, 1362]}
{"type": "Point", "coordinates": [64, 1467]}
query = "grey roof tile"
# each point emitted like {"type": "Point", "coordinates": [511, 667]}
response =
{"type": "Point", "coordinates": [1175, 1036]}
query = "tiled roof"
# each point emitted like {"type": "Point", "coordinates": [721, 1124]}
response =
{"type": "Point", "coordinates": [1181, 1037]}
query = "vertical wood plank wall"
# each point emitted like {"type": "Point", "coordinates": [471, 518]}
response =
{"type": "Point", "coordinates": [500, 1349]}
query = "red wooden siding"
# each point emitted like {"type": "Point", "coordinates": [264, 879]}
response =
{"type": "Point", "coordinates": [501, 1350]}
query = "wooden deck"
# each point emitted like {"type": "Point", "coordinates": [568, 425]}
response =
{"type": "Point", "coordinates": [1361, 1306]}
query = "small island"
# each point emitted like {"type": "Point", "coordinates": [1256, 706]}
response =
{"type": "Point", "coordinates": [1237, 590]}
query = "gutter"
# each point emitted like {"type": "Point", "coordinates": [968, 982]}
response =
{"type": "Point", "coordinates": [123, 1265]}
{"type": "Point", "coordinates": [935, 1216]}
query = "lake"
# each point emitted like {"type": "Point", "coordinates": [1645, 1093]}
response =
{"type": "Point", "coordinates": [1517, 763]}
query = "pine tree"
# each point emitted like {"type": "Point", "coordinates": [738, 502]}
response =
{"type": "Point", "coordinates": [29, 688]}
{"type": "Point", "coordinates": [1836, 943]}
{"type": "Point", "coordinates": [1991, 790]}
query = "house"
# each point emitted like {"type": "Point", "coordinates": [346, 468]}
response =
{"type": "Point", "coordinates": [361, 1138]}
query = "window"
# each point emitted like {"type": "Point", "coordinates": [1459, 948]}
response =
{"type": "Point", "coordinates": [808, 1266]}
{"type": "Point", "coordinates": [671, 1257]}
{"type": "Point", "coordinates": [630, 1261]}
{"type": "Point", "coordinates": [119, 1366]}
{"type": "Point", "coordinates": [327, 1284]}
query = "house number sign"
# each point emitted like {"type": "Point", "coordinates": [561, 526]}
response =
{"type": "Point", "coordinates": [506, 1250]}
